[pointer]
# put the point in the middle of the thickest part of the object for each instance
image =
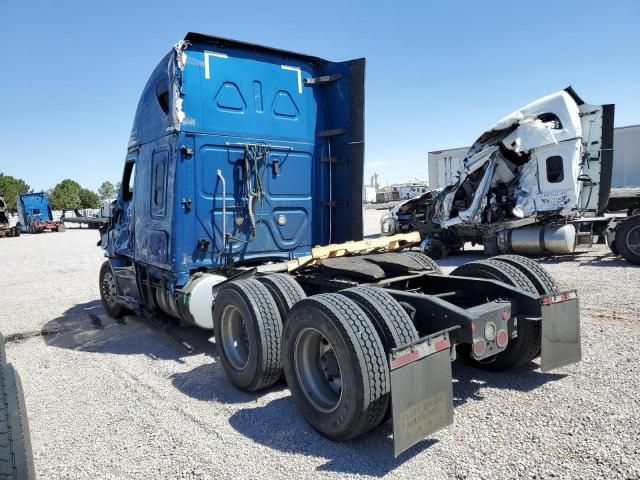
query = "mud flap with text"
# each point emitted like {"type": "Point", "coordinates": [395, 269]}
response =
{"type": "Point", "coordinates": [421, 390]}
{"type": "Point", "coordinates": [560, 331]}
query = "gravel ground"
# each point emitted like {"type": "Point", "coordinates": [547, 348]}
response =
{"type": "Point", "coordinates": [110, 400]}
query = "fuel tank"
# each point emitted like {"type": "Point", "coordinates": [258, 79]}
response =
{"type": "Point", "coordinates": [538, 239]}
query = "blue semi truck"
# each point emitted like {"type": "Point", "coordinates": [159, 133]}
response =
{"type": "Point", "coordinates": [242, 160]}
{"type": "Point", "coordinates": [35, 215]}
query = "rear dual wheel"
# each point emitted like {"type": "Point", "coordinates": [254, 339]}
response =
{"type": "Point", "coordinates": [335, 358]}
{"type": "Point", "coordinates": [334, 348]}
{"type": "Point", "coordinates": [248, 331]}
{"type": "Point", "coordinates": [335, 366]}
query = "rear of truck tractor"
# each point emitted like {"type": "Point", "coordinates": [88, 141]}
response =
{"type": "Point", "coordinates": [370, 338]}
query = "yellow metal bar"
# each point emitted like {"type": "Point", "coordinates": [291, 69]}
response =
{"type": "Point", "coordinates": [393, 242]}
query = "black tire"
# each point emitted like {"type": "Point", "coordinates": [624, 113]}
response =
{"type": "Point", "coordinates": [3, 353]}
{"type": "Point", "coordinates": [251, 356]}
{"type": "Point", "coordinates": [285, 291]}
{"type": "Point", "coordinates": [611, 243]}
{"type": "Point", "coordinates": [359, 354]}
{"type": "Point", "coordinates": [436, 250]}
{"type": "Point", "coordinates": [541, 279]}
{"type": "Point", "coordinates": [108, 290]}
{"type": "Point", "coordinates": [16, 457]}
{"type": "Point", "coordinates": [391, 321]}
{"type": "Point", "coordinates": [627, 241]}
{"type": "Point", "coordinates": [426, 262]}
{"type": "Point", "coordinates": [526, 346]}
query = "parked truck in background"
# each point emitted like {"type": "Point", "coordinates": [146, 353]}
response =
{"type": "Point", "coordinates": [6, 230]}
{"type": "Point", "coordinates": [444, 167]}
{"type": "Point", "coordinates": [537, 182]}
{"type": "Point", "coordinates": [35, 215]}
{"type": "Point", "coordinates": [248, 157]}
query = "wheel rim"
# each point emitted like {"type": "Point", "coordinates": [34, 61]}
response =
{"type": "Point", "coordinates": [109, 289]}
{"type": "Point", "coordinates": [633, 240]}
{"type": "Point", "coordinates": [235, 340]}
{"type": "Point", "coordinates": [318, 370]}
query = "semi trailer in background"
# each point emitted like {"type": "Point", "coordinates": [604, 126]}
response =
{"type": "Point", "coordinates": [246, 158]}
{"type": "Point", "coordinates": [539, 181]}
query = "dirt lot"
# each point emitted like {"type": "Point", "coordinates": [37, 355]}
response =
{"type": "Point", "coordinates": [110, 400]}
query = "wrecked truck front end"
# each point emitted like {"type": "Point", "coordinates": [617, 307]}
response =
{"type": "Point", "coordinates": [544, 159]}
{"type": "Point", "coordinates": [545, 164]}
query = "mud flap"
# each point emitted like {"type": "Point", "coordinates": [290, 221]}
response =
{"type": "Point", "coordinates": [560, 331]}
{"type": "Point", "coordinates": [421, 389]}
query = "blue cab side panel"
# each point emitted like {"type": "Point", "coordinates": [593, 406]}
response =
{"type": "Point", "coordinates": [207, 108]}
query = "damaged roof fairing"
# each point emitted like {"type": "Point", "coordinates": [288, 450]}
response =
{"type": "Point", "coordinates": [154, 118]}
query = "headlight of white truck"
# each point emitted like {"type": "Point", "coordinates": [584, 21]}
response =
{"type": "Point", "coordinates": [388, 224]}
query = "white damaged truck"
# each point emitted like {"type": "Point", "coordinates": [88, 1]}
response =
{"type": "Point", "coordinates": [538, 181]}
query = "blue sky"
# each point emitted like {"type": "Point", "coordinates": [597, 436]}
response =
{"type": "Point", "coordinates": [438, 73]}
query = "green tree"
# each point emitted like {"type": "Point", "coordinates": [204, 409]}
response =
{"type": "Point", "coordinates": [10, 188]}
{"type": "Point", "coordinates": [66, 194]}
{"type": "Point", "coordinates": [107, 191]}
{"type": "Point", "coordinates": [88, 198]}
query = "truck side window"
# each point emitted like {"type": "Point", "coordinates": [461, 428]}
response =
{"type": "Point", "coordinates": [158, 187]}
{"type": "Point", "coordinates": [162, 94]}
{"type": "Point", "coordinates": [159, 165]}
{"type": "Point", "coordinates": [555, 169]}
{"type": "Point", "coordinates": [128, 178]}
{"type": "Point", "coordinates": [551, 120]}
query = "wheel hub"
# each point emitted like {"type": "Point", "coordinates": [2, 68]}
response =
{"type": "Point", "coordinates": [318, 370]}
{"type": "Point", "coordinates": [109, 289]}
{"type": "Point", "coordinates": [235, 339]}
{"type": "Point", "coordinates": [633, 240]}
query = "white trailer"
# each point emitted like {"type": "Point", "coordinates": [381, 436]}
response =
{"type": "Point", "coordinates": [445, 165]}
{"type": "Point", "coordinates": [625, 181]}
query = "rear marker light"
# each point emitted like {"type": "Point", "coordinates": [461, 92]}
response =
{"type": "Point", "coordinates": [502, 338]}
{"type": "Point", "coordinates": [478, 348]}
{"type": "Point", "coordinates": [563, 297]}
{"type": "Point", "coordinates": [505, 315]}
